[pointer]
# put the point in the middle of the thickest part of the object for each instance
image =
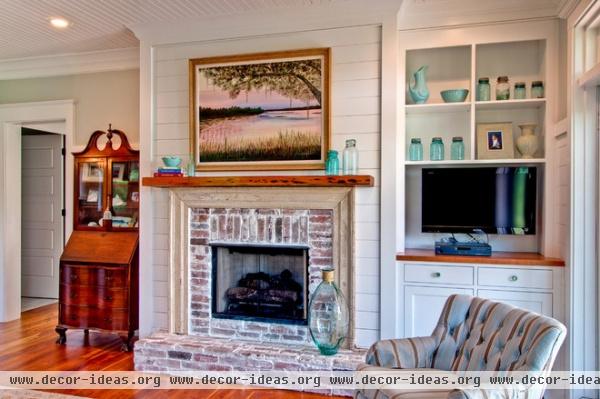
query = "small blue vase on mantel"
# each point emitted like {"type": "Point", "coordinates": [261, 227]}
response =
{"type": "Point", "coordinates": [418, 90]}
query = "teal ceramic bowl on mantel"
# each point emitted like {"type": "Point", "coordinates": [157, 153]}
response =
{"type": "Point", "coordinates": [454, 95]}
{"type": "Point", "coordinates": [171, 162]}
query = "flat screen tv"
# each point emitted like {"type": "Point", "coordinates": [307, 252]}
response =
{"type": "Point", "coordinates": [495, 200]}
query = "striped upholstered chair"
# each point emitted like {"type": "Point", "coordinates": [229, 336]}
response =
{"type": "Point", "coordinates": [472, 334]}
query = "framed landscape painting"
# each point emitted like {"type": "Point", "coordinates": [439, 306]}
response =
{"type": "Point", "coordinates": [267, 111]}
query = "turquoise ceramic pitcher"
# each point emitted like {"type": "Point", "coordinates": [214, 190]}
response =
{"type": "Point", "coordinates": [418, 90]}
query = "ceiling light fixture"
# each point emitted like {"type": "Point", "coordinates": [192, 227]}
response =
{"type": "Point", "coordinates": [59, 23]}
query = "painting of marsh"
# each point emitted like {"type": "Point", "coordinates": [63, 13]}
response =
{"type": "Point", "coordinates": [267, 111]}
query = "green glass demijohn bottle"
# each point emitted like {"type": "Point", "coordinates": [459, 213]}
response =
{"type": "Point", "coordinates": [328, 316]}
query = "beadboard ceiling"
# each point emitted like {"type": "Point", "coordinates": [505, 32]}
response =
{"type": "Point", "coordinates": [102, 24]}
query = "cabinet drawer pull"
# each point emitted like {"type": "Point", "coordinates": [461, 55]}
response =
{"type": "Point", "coordinates": [73, 295]}
{"type": "Point", "coordinates": [73, 317]}
{"type": "Point", "coordinates": [108, 298]}
{"type": "Point", "coordinates": [107, 319]}
{"type": "Point", "coordinates": [436, 275]}
{"type": "Point", "coordinates": [513, 278]}
{"type": "Point", "coordinates": [74, 277]}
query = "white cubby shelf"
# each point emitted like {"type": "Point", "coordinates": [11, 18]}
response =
{"type": "Point", "coordinates": [459, 66]}
{"type": "Point", "coordinates": [479, 162]}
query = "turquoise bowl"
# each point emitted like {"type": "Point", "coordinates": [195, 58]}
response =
{"type": "Point", "coordinates": [455, 95]}
{"type": "Point", "coordinates": [171, 162]}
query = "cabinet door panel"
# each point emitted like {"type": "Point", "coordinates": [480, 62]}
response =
{"type": "Point", "coordinates": [423, 306]}
{"type": "Point", "coordinates": [533, 301]}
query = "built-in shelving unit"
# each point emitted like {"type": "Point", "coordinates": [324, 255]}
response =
{"type": "Point", "coordinates": [460, 67]}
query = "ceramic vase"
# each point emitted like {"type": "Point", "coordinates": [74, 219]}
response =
{"type": "Point", "coordinates": [418, 90]}
{"type": "Point", "coordinates": [528, 142]}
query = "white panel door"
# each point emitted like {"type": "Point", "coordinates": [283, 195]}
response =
{"type": "Point", "coordinates": [537, 302]}
{"type": "Point", "coordinates": [41, 214]}
{"type": "Point", "coordinates": [423, 306]}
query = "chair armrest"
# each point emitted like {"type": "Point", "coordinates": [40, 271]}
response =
{"type": "Point", "coordinates": [405, 353]}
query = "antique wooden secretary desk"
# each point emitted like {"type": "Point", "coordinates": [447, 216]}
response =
{"type": "Point", "coordinates": [99, 266]}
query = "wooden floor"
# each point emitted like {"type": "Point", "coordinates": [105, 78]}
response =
{"type": "Point", "coordinates": [29, 344]}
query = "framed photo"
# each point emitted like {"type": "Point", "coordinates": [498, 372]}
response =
{"type": "Point", "coordinates": [495, 141]}
{"type": "Point", "coordinates": [118, 171]}
{"type": "Point", "coordinates": [92, 196]}
{"type": "Point", "coordinates": [135, 196]}
{"type": "Point", "coordinates": [91, 172]}
{"type": "Point", "coordinates": [266, 111]}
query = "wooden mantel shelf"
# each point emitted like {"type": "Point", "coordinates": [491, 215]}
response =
{"type": "Point", "coordinates": [260, 181]}
{"type": "Point", "coordinates": [497, 258]}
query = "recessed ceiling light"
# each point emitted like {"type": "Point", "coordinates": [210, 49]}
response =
{"type": "Point", "coordinates": [60, 23]}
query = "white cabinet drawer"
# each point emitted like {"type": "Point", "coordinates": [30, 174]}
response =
{"type": "Point", "coordinates": [515, 277]}
{"type": "Point", "coordinates": [438, 274]}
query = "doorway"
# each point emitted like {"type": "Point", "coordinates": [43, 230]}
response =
{"type": "Point", "coordinates": [42, 215]}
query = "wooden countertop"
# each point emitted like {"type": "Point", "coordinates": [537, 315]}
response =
{"type": "Point", "coordinates": [260, 181]}
{"type": "Point", "coordinates": [101, 247]}
{"type": "Point", "coordinates": [497, 258]}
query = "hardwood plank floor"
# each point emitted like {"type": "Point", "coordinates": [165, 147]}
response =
{"type": "Point", "coordinates": [29, 344]}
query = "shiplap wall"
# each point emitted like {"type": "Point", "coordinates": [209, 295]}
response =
{"type": "Point", "coordinates": [563, 186]}
{"type": "Point", "coordinates": [355, 112]}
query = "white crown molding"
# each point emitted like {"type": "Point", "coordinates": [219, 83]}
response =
{"type": "Point", "coordinates": [260, 23]}
{"type": "Point", "coordinates": [566, 7]}
{"type": "Point", "coordinates": [70, 64]}
{"type": "Point", "coordinates": [428, 14]}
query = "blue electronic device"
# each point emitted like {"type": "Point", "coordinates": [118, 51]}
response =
{"type": "Point", "coordinates": [454, 247]}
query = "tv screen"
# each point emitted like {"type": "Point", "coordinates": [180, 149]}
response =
{"type": "Point", "coordinates": [495, 200]}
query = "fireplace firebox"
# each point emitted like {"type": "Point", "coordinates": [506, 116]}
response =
{"type": "Point", "coordinates": [267, 283]}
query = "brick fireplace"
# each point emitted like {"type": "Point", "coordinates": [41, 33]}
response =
{"type": "Point", "coordinates": [243, 264]}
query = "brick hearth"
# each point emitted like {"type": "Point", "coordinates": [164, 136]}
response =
{"type": "Point", "coordinates": [163, 352]}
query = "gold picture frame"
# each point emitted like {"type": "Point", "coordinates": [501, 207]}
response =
{"type": "Point", "coordinates": [495, 141]}
{"type": "Point", "coordinates": [281, 122]}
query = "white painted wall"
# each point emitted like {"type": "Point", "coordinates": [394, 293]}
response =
{"type": "Point", "coordinates": [102, 98]}
{"type": "Point", "coordinates": [355, 111]}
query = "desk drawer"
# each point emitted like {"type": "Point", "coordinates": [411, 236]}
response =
{"type": "Point", "coordinates": [94, 275]}
{"type": "Point", "coordinates": [515, 277]}
{"type": "Point", "coordinates": [98, 296]}
{"type": "Point", "coordinates": [89, 317]}
{"type": "Point", "coordinates": [438, 274]}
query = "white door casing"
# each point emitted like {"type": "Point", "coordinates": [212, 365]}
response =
{"type": "Point", "coordinates": [12, 117]}
{"type": "Point", "coordinates": [42, 224]}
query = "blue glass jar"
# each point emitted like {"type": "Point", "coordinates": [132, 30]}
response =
{"type": "Point", "coordinates": [415, 150]}
{"type": "Point", "coordinates": [332, 164]}
{"type": "Point", "coordinates": [457, 149]}
{"type": "Point", "coordinates": [483, 89]}
{"type": "Point", "coordinates": [537, 89]}
{"type": "Point", "coordinates": [520, 93]}
{"type": "Point", "coordinates": [350, 160]}
{"type": "Point", "coordinates": [436, 149]}
{"type": "Point", "coordinates": [328, 317]}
